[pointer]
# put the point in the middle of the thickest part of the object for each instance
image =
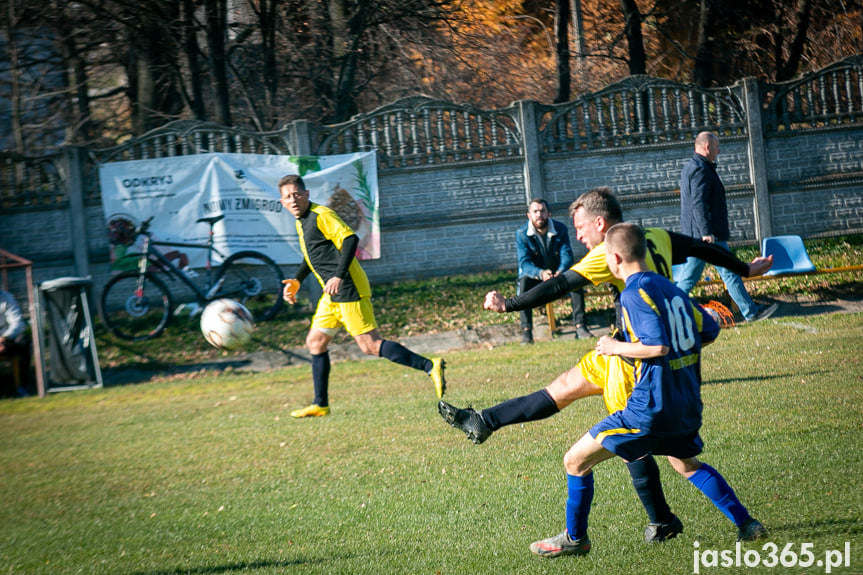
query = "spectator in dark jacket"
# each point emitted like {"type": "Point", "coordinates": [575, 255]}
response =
{"type": "Point", "coordinates": [544, 251]}
{"type": "Point", "coordinates": [704, 214]}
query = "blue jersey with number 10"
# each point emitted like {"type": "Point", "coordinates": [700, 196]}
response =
{"type": "Point", "coordinates": [666, 398]}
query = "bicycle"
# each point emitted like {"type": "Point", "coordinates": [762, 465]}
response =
{"type": "Point", "coordinates": [137, 305]}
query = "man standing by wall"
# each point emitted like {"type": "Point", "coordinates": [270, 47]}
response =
{"type": "Point", "coordinates": [704, 214]}
{"type": "Point", "coordinates": [544, 251]}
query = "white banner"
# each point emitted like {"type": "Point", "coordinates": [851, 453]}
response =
{"type": "Point", "coordinates": [177, 191]}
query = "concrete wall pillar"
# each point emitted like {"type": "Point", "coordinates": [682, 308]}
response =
{"type": "Point", "coordinates": [528, 124]}
{"type": "Point", "coordinates": [752, 98]}
{"type": "Point", "coordinates": [72, 158]}
{"type": "Point", "coordinates": [301, 138]}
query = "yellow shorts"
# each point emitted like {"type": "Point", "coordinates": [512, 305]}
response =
{"type": "Point", "coordinates": [357, 317]}
{"type": "Point", "coordinates": [612, 374]}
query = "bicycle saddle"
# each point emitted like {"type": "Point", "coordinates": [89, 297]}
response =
{"type": "Point", "coordinates": [211, 220]}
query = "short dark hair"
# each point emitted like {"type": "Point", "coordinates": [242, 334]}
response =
{"type": "Point", "coordinates": [538, 201]}
{"type": "Point", "coordinates": [292, 180]}
{"type": "Point", "coordinates": [628, 240]}
{"type": "Point", "coordinates": [599, 202]}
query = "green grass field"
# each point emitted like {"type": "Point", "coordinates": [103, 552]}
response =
{"type": "Point", "coordinates": [211, 475]}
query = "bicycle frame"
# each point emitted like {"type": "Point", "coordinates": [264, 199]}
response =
{"type": "Point", "coordinates": [150, 255]}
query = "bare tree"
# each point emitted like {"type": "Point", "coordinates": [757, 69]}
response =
{"type": "Point", "coordinates": [217, 31]}
{"type": "Point", "coordinates": [72, 72]}
{"type": "Point", "coordinates": [786, 68]}
{"type": "Point", "coordinates": [634, 38]}
{"type": "Point", "coordinates": [561, 50]}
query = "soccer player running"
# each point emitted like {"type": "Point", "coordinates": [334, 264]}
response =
{"type": "Point", "coordinates": [329, 246]}
{"type": "Point", "coordinates": [593, 214]}
{"type": "Point", "coordinates": [664, 332]}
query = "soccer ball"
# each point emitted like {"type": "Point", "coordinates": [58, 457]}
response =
{"type": "Point", "coordinates": [227, 324]}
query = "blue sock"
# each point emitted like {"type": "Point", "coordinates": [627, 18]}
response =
{"type": "Point", "coordinates": [714, 486]}
{"type": "Point", "coordinates": [321, 377]}
{"type": "Point", "coordinates": [580, 496]}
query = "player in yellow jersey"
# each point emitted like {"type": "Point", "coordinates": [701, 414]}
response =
{"type": "Point", "coordinates": [329, 247]}
{"type": "Point", "coordinates": [593, 213]}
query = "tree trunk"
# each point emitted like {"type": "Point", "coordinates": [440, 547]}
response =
{"type": "Point", "coordinates": [580, 44]}
{"type": "Point", "coordinates": [632, 30]}
{"type": "Point", "coordinates": [703, 74]}
{"type": "Point", "coordinates": [561, 50]}
{"type": "Point", "coordinates": [347, 34]}
{"type": "Point", "coordinates": [15, 78]}
{"type": "Point", "coordinates": [193, 61]}
{"type": "Point", "coordinates": [269, 25]}
{"type": "Point", "coordinates": [802, 18]}
{"type": "Point", "coordinates": [217, 15]}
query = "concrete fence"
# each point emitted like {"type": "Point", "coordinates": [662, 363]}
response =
{"type": "Point", "coordinates": [454, 180]}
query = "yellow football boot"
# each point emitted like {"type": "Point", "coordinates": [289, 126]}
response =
{"type": "Point", "coordinates": [311, 411]}
{"type": "Point", "coordinates": [436, 373]}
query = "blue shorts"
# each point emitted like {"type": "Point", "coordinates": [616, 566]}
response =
{"type": "Point", "coordinates": [631, 444]}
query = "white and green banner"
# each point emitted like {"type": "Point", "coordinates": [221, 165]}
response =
{"type": "Point", "coordinates": [177, 191]}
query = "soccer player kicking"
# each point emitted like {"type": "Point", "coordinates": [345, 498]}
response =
{"type": "Point", "coordinates": [664, 332]}
{"type": "Point", "coordinates": [329, 246]}
{"type": "Point", "coordinates": [593, 214]}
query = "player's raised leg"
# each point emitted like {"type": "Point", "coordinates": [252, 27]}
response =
{"type": "Point", "coordinates": [371, 343]}
{"type": "Point", "coordinates": [478, 426]}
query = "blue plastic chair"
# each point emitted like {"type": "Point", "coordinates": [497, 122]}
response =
{"type": "Point", "coordinates": [789, 255]}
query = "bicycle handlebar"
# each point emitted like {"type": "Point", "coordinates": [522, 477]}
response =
{"type": "Point", "coordinates": [145, 226]}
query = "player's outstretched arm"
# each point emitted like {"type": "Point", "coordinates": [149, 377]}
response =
{"type": "Point", "coordinates": [683, 246]}
{"type": "Point", "coordinates": [760, 266]}
{"type": "Point", "coordinates": [547, 291]}
{"type": "Point", "coordinates": [289, 292]}
{"type": "Point", "coordinates": [494, 301]}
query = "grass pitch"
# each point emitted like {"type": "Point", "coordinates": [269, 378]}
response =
{"type": "Point", "coordinates": [211, 475]}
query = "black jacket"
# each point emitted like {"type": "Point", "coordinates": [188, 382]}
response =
{"type": "Point", "coordinates": [703, 210]}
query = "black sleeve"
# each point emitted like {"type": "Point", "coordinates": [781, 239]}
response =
{"type": "Point", "coordinates": [549, 290]}
{"type": "Point", "coordinates": [683, 247]}
{"type": "Point", "coordinates": [349, 250]}
{"type": "Point", "coordinates": [302, 271]}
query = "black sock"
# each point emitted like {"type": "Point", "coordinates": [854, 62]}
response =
{"type": "Point", "coordinates": [645, 479]}
{"type": "Point", "coordinates": [321, 377]}
{"type": "Point", "coordinates": [397, 353]}
{"type": "Point", "coordinates": [533, 407]}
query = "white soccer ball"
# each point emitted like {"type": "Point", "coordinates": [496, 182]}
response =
{"type": "Point", "coordinates": [227, 324]}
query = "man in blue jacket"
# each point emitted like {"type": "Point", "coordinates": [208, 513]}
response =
{"type": "Point", "coordinates": [704, 214]}
{"type": "Point", "coordinates": [544, 252]}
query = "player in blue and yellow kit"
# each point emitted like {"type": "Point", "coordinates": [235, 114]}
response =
{"type": "Point", "coordinates": [664, 332]}
{"type": "Point", "coordinates": [593, 214]}
{"type": "Point", "coordinates": [329, 247]}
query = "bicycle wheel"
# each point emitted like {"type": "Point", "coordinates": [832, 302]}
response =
{"type": "Point", "coordinates": [135, 316]}
{"type": "Point", "coordinates": [254, 280]}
